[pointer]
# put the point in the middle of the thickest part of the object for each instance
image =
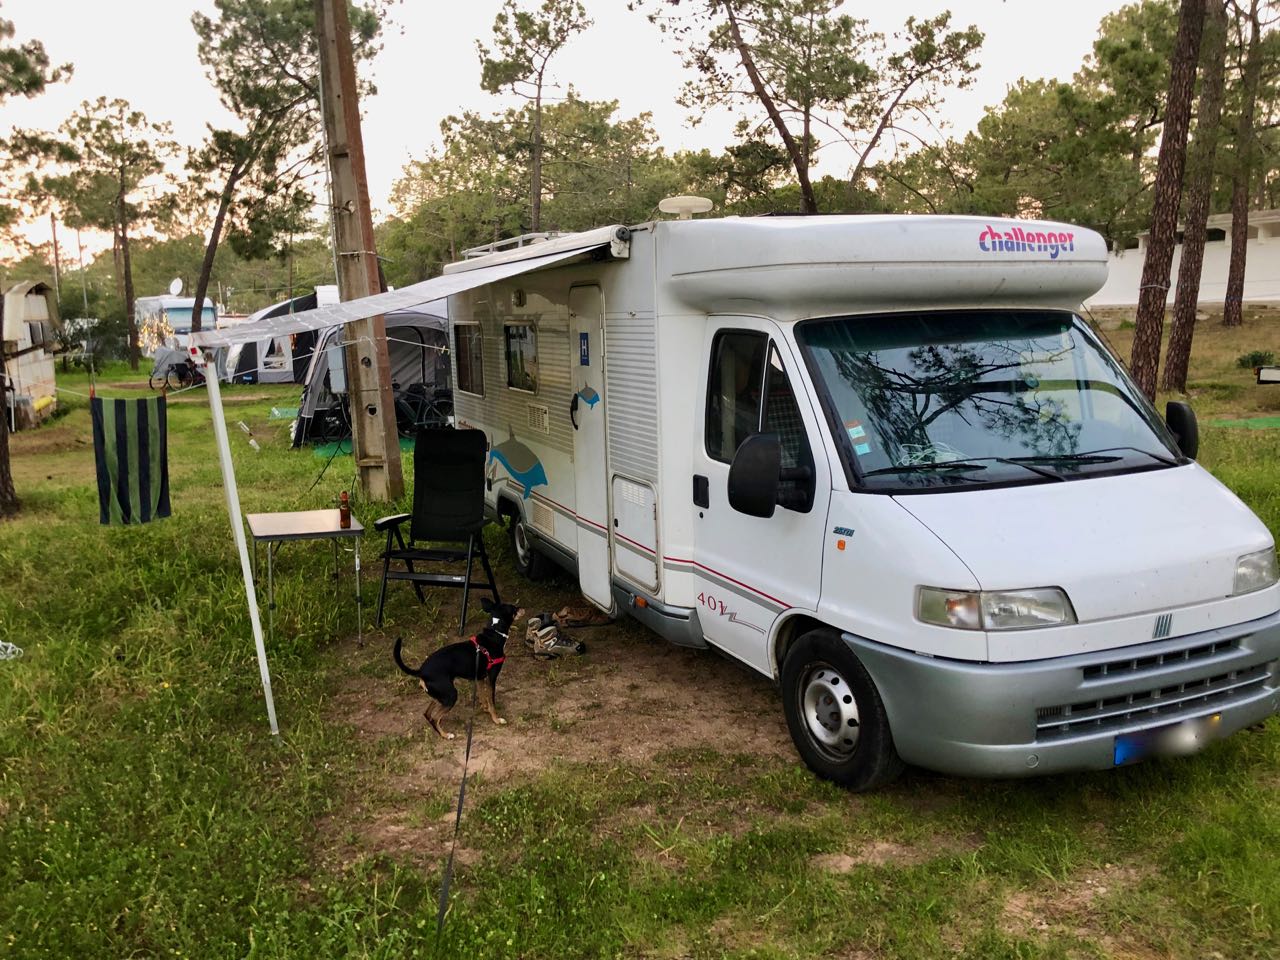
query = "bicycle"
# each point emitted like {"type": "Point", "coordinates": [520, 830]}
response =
{"type": "Point", "coordinates": [175, 375]}
{"type": "Point", "coordinates": [417, 406]}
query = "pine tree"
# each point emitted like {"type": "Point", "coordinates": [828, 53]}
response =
{"type": "Point", "coordinates": [1170, 165]}
{"type": "Point", "coordinates": [1199, 189]}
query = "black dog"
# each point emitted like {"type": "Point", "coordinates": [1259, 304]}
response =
{"type": "Point", "coordinates": [479, 658]}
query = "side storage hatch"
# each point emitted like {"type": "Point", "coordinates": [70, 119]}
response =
{"type": "Point", "coordinates": [635, 532]}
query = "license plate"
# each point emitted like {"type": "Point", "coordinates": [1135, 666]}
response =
{"type": "Point", "coordinates": [1175, 739]}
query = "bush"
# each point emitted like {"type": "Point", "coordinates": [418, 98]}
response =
{"type": "Point", "coordinates": [1255, 358]}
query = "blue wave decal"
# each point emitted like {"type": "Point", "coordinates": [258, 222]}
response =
{"type": "Point", "coordinates": [589, 396]}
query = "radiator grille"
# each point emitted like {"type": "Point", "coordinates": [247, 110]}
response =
{"type": "Point", "coordinates": [1221, 689]}
{"type": "Point", "coordinates": [1154, 661]}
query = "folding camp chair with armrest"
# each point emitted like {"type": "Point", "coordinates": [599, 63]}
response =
{"type": "Point", "coordinates": [448, 508]}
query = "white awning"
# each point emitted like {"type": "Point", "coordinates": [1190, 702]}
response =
{"type": "Point", "coordinates": [435, 289]}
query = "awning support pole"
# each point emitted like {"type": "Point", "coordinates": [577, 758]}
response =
{"type": "Point", "coordinates": [237, 528]}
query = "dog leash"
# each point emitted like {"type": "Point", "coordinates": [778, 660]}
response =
{"type": "Point", "coordinates": [462, 796]}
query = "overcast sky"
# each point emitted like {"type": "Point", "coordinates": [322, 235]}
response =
{"type": "Point", "coordinates": [144, 52]}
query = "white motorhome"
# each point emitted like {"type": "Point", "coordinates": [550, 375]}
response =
{"type": "Point", "coordinates": [883, 461]}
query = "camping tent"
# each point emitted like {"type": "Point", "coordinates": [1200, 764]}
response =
{"type": "Point", "coordinates": [604, 242]}
{"type": "Point", "coordinates": [272, 359]}
{"type": "Point", "coordinates": [417, 346]}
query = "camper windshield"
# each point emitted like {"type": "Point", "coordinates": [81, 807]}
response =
{"type": "Point", "coordinates": [954, 400]}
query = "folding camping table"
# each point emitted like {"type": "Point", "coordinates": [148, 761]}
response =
{"type": "Point", "coordinates": [274, 529]}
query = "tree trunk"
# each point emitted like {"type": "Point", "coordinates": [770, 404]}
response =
{"type": "Point", "coordinates": [1170, 163]}
{"type": "Point", "coordinates": [134, 352]}
{"type": "Point", "coordinates": [8, 496]}
{"type": "Point", "coordinates": [115, 259]}
{"type": "Point", "coordinates": [807, 198]}
{"type": "Point", "coordinates": [1199, 193]}
{"type": "Point", "coordinates": [1233, 307]}
{"type": "Point", "coordinates": [535, 179]}
{"type": "Point", "coordinates": [211, 250]}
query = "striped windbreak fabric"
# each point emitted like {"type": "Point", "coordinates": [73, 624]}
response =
{"type": "Point", "coordinates": [131, 452]}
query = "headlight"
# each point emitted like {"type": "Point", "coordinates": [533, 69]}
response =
{"type": "Point", "coordinates": [1255, 571]}
{"type": "Point", "coordinates": [994, 609]}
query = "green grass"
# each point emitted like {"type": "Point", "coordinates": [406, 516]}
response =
{"type": "Point", "coordinates": [146, 812]}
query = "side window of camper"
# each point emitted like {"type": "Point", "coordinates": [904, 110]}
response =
{"type": "Point", "coordinates": [734, 387]}
{"type": "Point", "coordinates": [522, 357]}
{"type": "Point", "coordinates": [470, 358]}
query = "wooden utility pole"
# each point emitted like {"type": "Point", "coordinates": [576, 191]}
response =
{"type": "Point", "coordinates": [373, 421]}
{"type": "Point", "coordinates": [57, 260]}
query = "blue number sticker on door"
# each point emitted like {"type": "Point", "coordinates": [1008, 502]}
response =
{"type": "Point", "coordinates": [584, 349]}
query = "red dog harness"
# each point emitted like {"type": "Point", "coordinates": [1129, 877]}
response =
{"type": "Point", "coordinates": [489, 659]}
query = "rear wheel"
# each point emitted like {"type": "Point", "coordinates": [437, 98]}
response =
{"type": "Point", "coordinates": [834, 712]}
{"type": "Point", "coordinates": [529, 563]}
{"type": "Point", "coordinates": [177, 376]}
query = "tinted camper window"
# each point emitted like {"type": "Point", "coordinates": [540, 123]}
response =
{"type": "Point", "coordinates": [470, 358]}
{"type": "Point", "coordinates": [522, 357]}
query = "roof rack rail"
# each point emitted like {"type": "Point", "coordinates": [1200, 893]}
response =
{"type": "Point", "coordinates": [511, 243]}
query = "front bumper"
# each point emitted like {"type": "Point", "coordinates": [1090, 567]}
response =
{"type": "Point", "coordinates": [1064, 714]}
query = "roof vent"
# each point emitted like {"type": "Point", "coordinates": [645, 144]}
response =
{"type": "Point", "coordinates": [685, 207]}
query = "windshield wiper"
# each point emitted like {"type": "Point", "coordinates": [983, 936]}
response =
{"type": "Point", "coordinates": [928, 467]}
{"type": "Point", "coordinates": [1065, 458]}
{"type": "Point", "coordinates": [1160, 457]}
{"type": "Point", "coordinates": [972, 464]}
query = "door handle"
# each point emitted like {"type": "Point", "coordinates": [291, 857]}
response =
{"type": "Point", "coordinates": [573, 411]}
{"type": "Point", "coordinates": [701, 491]}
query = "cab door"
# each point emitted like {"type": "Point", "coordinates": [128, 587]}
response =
{"type": "Point", "coordinates": [750, 570]}
{"type": "Point", "coordinates": [590, 467]}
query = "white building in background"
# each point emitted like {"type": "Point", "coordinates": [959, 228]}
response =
{"type": "Point", "coordinates": [1262, 265]}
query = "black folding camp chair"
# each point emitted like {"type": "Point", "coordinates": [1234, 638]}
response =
{"type": "Point", "coordinates": [448, 508]}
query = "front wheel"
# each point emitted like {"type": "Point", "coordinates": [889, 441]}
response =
{"type": "Point", "coordinates": [834, 712]}
{"type": "Point", "coordinates": [529, 563]}
{"type": "Point", "coordinates": [178, 377]}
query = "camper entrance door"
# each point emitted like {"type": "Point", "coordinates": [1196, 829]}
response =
{"type": "Point", "coordinates": [591, 477]}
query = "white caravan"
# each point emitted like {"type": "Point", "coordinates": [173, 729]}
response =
{"type": "Point", "coordinates": [883, 461]}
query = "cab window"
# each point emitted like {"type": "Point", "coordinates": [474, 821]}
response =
{"type": "Point", "coordinates": [733, 391]}
{"type": "Point", "coordinates": [749, 392]}
{"type": "Point", "coordinates": [781, 415]}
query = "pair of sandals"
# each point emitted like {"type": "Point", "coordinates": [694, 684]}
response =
{"type": "Point", "coordinates": [543, 637]}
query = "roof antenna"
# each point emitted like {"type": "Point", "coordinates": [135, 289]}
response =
{"type": "Point", "coordinates": [684, 206]}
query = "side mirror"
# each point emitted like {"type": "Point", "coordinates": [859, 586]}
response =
{"type": "Point", "coordinates": [1182, 421]}
{"type": "Point", "coordinates": [754, 475]}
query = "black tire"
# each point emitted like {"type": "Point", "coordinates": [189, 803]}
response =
{"type": "Point", "coordinates": [154, 382]}
{"type": "Point", "coordinates": [529, 563]}
{"type": "Point", "coordinates": [177, 377]}
{"type": "Point", "coordinates": [847, 739]}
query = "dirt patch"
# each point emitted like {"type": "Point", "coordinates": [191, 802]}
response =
{"type": "Point", "coordinates": [1074, 907]}
{"type": "Point", "coordinates": [630, 697]}
{"type": "Point", "coordinates": [888, 853]}
{"type": "Point", "coordinates": [57, 437]}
